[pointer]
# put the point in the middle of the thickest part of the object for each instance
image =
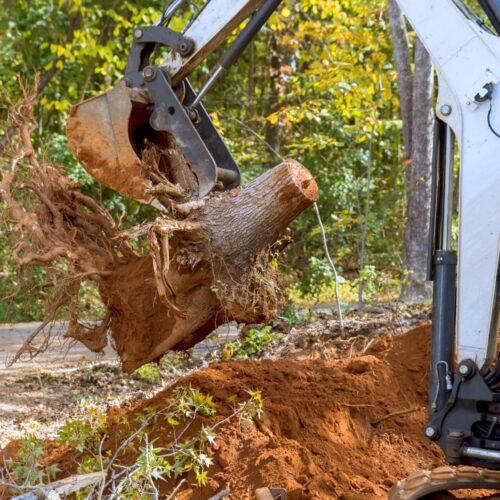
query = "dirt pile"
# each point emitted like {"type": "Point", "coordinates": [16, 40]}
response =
{"type": "Point", "coordinates": [347, 428]}
{"type": "Point", "coordinates": [327, 431]}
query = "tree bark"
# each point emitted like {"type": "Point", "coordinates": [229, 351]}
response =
{"type": "Point", "coordinates": [211, 270]}
{"type": "Point", "coordinates": [418, 180]}
{"type": "Point", "coordinates": [402, 59]}
{"type": "Point", "coordinates": [416, 101]}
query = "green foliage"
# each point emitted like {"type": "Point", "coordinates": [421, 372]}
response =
{"type": "Point", "coordinates": [22, 306]}
{"type": "Point", "coordinates": [317, 276]}
{"type": "Point", "coordinates": [254, 342]}
{"type": "Point", "coordinates": [84, 434]}
{"type": "Point", "coordinates": [27, 467]}
{"type": "Point", "coordinates": [251, 409]}
{"type": "Point", "coordinates": [289, 314]}
{"type": "Point", "coordinates": [190, 401]}
{"type": "Point", "coordinates": [149, 373]}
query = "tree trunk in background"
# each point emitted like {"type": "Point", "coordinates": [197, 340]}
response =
{"type": "Point", "coordinates": [416, 99]}
{"type": "Point", "coordinates": [401, 46]}
{"type": "Point", "coordinates": [418, 179]}
{"type": "Point", "coordinates": [274, 129]}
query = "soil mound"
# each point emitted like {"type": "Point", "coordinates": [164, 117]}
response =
{"type": "Point", "coordinates": [328, 429]}
{"type": "Point", "coordinates": [345, 429]}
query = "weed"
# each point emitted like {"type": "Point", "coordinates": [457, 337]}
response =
{"type": "Point", "coordinates": [254, 343]}
{"type": "Point", "coordinates": [289, 314]}
{"type": "Point", "coordinates": [149, 373]}
{"type": "Point", "coordinates": [26, 468]}
{"type": "Point", "coordinates": [84, 434]}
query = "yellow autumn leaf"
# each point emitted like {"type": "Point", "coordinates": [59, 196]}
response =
{"type": "Point", "coordinates": [273, 118]}
{"type": "Point", "coordinates": [285, 12]}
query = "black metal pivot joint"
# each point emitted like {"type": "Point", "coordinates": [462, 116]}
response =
{"type": "Point", "coordinates": [466, 369]}
{"type": "Point", "coordinates": [145, 39]}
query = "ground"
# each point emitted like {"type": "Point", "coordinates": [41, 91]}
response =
{"type": "Point", "coordinates": [39, 395]}
{"type": "Point", "coordinates": [332, 406]}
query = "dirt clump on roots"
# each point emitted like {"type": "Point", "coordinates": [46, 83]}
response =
{"type": "Point", "coordinates": [347, 428]}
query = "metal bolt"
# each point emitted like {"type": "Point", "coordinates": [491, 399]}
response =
{"type": "Point", "coordinates": [430, 432]}
{"type": "Point", "coordinates": [149, 73]}
{"type": "Point", "coordinates": [464, 370]}
{"type": "Point", "coordinates": [193, 115]}
{"type": "Point", "coordinates": [446, 110]}
{"type": "Point", "coordinates": [138, 33]}
{"type": "Point", "coordinates": [186, 47]}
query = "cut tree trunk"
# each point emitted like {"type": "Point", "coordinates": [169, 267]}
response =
{"type": "Point", "coordinates": [214, 268]}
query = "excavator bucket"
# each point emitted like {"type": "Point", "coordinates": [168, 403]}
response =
{"type": "Point", "coordinates": [98, 132]}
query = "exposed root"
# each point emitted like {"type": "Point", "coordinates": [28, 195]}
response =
{"type": "Point", "coordinates": [159, 235]}
{"type": "Point", "coordinates": [56, 228]}
{"type": "Point", "coordinates": [173, 182]}
{"type": "Point", "coordinates": [253, 296]}
{"type": "Point", "coordinates": [94, 338]}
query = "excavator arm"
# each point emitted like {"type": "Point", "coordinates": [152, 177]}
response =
{"type": "Point", "coordinates": [155, 101]}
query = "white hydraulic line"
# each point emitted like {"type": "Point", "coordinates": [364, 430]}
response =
{"type": "Point", "coordinates": [332, 265]}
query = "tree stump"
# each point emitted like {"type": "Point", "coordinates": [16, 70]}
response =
{"type": "Point", "coordinates": [209, 261]}
{"type": "Point", "coordinates": [210, 269]}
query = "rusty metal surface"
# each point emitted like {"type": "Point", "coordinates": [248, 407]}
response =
{"type": "Point", "coordinates": [98, 134]}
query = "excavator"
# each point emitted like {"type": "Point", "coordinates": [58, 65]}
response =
{"type": "Point", "coordinates": [154, 102]}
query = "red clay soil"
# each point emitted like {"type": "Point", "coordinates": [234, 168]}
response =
{"type": "Point", "coordinates": [330, 429]}
{"type": "Point", "coordinates": [322, 435]}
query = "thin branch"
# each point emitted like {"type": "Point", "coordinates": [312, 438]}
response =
{"type": "Point", "coordinates": [177, 488]}
{"type": "Point", "coordinates": [395, 414]}
{"type": "Point", "coordinates": [364, 228]}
